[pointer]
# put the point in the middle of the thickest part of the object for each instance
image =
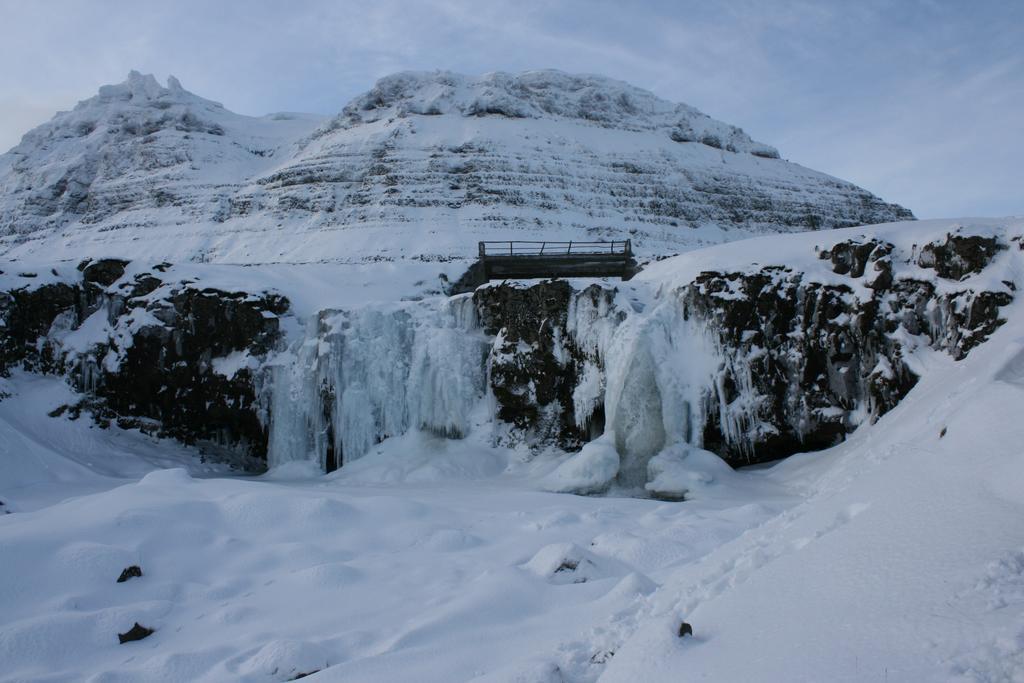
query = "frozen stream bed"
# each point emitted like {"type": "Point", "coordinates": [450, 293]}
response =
{"type": "Point", "coordinates": [448, 576]}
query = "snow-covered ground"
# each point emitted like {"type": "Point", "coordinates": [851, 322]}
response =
{"type": "Point", "coordinates": [897, 556]}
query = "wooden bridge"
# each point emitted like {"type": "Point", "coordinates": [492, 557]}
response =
{"type": "Point", "coordinates": [521, 259]}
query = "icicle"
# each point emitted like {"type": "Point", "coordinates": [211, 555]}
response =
{"type": "Point", "coordinates": [292, 395]}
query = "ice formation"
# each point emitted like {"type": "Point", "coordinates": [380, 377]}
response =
{"type": "Point", "coordinates": [718, 363]}
{"type": "Point", "coordinates": [359, 376]}
{"type": "Point", "coordinates": [652, 374]}
{"type": "Point", "coordinates": [362, 375]}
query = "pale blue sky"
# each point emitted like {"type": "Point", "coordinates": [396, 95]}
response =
{"type": "Point", "coordinates": [920, 101]}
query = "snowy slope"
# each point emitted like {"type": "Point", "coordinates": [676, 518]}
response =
{"type": "Point", "coordinates": [903, 562]}
{"type": "Point", "coordinates": [423, 165]}
{"type": "Point", "coordinates": [44, 461]}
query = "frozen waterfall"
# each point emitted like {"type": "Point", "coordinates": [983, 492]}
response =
{"type": "Point", "coordinates": [359, 376]}
{"type": "Point", "coordinates": [362, 375]}
{"type": "Point", "coordinates": [657, 369]}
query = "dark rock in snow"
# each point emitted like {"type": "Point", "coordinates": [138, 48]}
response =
{"type": "Point", "coordinates": [103, 272]}
{"type": "Point", "coordinates": [532, 387]}
{"type": "Point", "coordinates": [810, 354]}
{"type": "Point", "coordinates": [567, 566]}
{"type": "Point", "coordinates": [59, 410]}
{"type": "Point", "coordinates": [26, 316]}
{"type": "Point", "coordinates": [136, 632]}
{"type": "Point", "coordinates": [470, 280]}
{"type": "Point", "coordinates": [167, 372]}
{"type": "Point", "coordinates": [668, 496]}
{"type": "Point", "coordinates": [130, 572]}
{"type": "Point", "coordinates": [685, 630]}
{"type": "Point", "coordinates": [851, 257]}
{"type": "Point", "coordinates": [959, 255]}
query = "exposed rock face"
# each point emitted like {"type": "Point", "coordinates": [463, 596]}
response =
{"type": "Point", "coordinates": [958, 256]}
{"type": "Point", "coordinates": [168, 371]}
{"type": "Point", "coordinates": [148, 172]}
{"type": "Point", "coordinates": [804, 363]}
{"type": "Point", "coordinates": [752, 362]}
{"type": "Point", "coordinates": [25, 318]}
{"type": "Point", "coordinates": [535, 366]}
{"type": "Point", "coordinates": [150, 351]}
{"type": "Point", "coordinates": [798, 361]}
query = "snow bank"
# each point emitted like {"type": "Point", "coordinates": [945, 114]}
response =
{"type": "Point", "coordinates": [899, 562]}
{"type": "Point", "coordinates": [562, 563]}
{"type": "Point", "coordinates": [685, 473]}
{"type": "Point", "coordinates": [590, 471]}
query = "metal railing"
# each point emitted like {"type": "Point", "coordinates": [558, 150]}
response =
{"type": "Point", "coordinates": [533, 248]}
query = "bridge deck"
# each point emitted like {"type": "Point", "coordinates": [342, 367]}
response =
{"type": "Point", "coordinates": [522, 259]}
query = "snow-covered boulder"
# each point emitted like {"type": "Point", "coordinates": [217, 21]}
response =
{"type": "Point", "coordinates": [285, 660]}
{"type": "Point", "coordinates": [590, 471]}
{"type": "Point", "coordinates": [567, 563]}
{"type": "Point", "coordinates": [682, 472]}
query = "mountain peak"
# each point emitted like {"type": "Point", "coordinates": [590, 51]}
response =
{"type": "Point", "coordinates": [539, 94]}
{"type": "Point", "coordinates": [134, 108]}
{"type": "Point", "coordinates": [143, 89]}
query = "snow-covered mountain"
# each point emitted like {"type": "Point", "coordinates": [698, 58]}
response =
{"type": "Point", "coordinates": [423, 165]}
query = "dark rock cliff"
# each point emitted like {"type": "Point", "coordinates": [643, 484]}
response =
{"type": "Point", "coordinates": [789, 359]}
{"type": "Point", "coordinates": [800, 362]}
{"type": "Point", "coordinates": [535, 365]}
{"type": "Point", "coordinates": [816, 359]}
{"type": "Point", "coordinates": [143, 351]}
